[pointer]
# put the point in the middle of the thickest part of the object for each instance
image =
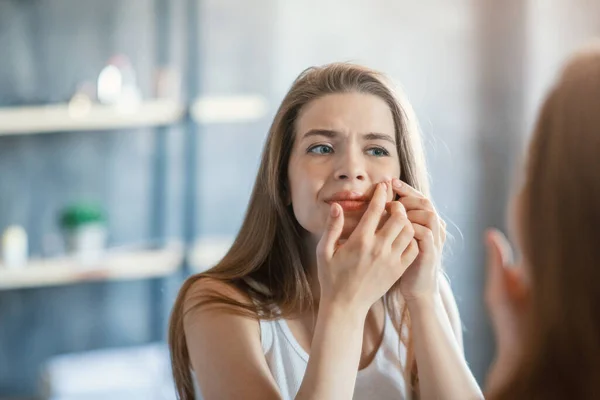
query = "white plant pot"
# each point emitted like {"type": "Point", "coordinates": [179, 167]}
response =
{"type": "Point", "coordinates": [87, 243]}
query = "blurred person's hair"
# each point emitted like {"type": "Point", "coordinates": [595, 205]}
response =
{"type": "Point", "coordinates": [560, 227]}
{"type": "Point", "coordinates": [265, 261]}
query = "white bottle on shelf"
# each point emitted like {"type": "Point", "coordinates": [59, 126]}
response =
{"type": "Point", "coordinates": [14, 247]}
{"type": "Point", "coordinates": [117, 84]}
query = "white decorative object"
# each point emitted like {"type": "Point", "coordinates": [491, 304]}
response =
{"type": "Point", "coordinates": [117, 84]}
{"type": "Point", "coordinates": [14, 247]}
{"type": "Point", "coordinates": [88, 242]}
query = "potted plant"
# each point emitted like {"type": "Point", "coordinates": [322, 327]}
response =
{"type": "Point", "coordinates": [85, 229]}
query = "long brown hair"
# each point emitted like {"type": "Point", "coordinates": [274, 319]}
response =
{"type": "Point", "coordinates": [560, 221]}
{"type": "Point", "coordinates": [265, 260]}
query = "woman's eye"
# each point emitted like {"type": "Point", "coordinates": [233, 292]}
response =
{"type": "Point", "coordinates": [378, 152]}
{"type": "Point", "coordinates": [321, 149]}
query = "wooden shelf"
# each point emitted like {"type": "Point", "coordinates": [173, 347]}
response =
{"type": "Point", "coordinates": [114, 266]}
{"type": "Point", "coordinates": [86, 117]}
{"type": "Point", "coordinates": [229, 109]}
{"type": "Point", "coordinates": [158, 112]}
{"type": "Point", "coordinates": [207, 252]}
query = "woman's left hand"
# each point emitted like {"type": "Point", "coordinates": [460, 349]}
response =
{"type": "Point", "coordinates": [420, 280]}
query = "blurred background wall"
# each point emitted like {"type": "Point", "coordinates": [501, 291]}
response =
{"type": "Point", "coordinates": [475, 72]}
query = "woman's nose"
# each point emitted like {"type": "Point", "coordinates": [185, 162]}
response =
{"type": "Point", "coordinates": [351, 167]}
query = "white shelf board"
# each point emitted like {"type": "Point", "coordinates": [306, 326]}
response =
{"type": "Point", "coordinates": [65, 117]}
{"type": "Point", "coordinates": [208, 251]}
{"type": "Point", "coordinates": [229, 109]}
{"type": "Point", "coordinates": [113, 266]}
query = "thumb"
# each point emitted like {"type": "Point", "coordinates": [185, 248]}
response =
{"type": "Point", "coordinates": [494, 256]}
{"type": "Point", "coordinates": [499, 254]}
{"type": "Point", "coordinates": [333, 231]}
{"type": "Point", "coordinates": [499, 243]}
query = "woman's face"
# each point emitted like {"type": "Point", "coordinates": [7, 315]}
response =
{"type": "Point", "coordinates": [345, 144]}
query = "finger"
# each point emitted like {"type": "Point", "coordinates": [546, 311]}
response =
{"type": "Point", "coordinates": [416, 203]}
{"type": "Point", "coordinates": [499, 242]}
{"type": "Point", "coordinates": [498, 252]}
{"type": "Point", "coordinates": [390, 190]}
{"type": "Point", "coordinates": [333, 230]}
{"type": "Point", "coordinates": [394, 224]}
{"type": "Point", "coordinates": [403, 239]}
{"type": "Point", "coordinates": [370, 219]}
{"type": "Point", "coordinates": [424, 237]}
{"type": "Point", "coordinates": [494, 257]}
{"type": "Point", "coordinates": [429, 219]}
{"type": "Point", "coordinates": [410, 254]}
{"type": "Point", "coordinates": [404, 189]}
{"type": "Point", "coordinates": [384, 218]}
{"type": "Point", "coordinates": [426, 218]}
{"type": "Point", "coordinates": [498, 256]}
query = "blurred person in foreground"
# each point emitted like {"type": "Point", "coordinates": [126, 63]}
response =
{"type": "Point", "coordinates": [545, 308]}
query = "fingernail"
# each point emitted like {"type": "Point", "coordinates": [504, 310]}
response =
{"type": "Point", "coordinates": [397, 183]}
{"type": "Point", "coordinates": [384, 185]}
{"type": "Point", "coordinates": [334, 210]}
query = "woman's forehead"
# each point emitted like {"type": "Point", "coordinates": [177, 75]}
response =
{"type": "Point", "coordinates": [347, 113]}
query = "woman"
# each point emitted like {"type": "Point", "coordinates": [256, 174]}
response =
{"type": "Point", "coordinates": [546, 308]}
{"type": "Point", "coordinates": [338, 256]}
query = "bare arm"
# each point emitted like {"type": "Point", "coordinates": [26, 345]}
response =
{"type": "Point", "coordinates": [228, 361]}
{"type": "Point", "coordinates": [225, 349]}
{"type": "Point", "coordinates": [452, 311]}
{"type": "Point", "coordinates": [443, 370]}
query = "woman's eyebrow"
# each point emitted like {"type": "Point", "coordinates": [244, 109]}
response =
{"type": "Point", "coordinates": [330, 134]}
{"type": "Point", "coordinates": [379, 136]}
{"type": "Point", "coordinates": [321, 132]}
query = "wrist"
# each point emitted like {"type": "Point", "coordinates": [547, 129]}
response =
{"type": "Point", "coordinates": [424, 304]}
{"type": "Point", "coordinates": [342, 312]}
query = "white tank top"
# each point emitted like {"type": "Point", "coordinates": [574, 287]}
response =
{"type": "Point", "coordinates": [382, 379]}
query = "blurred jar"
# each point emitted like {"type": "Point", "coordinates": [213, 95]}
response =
{"type": "Point", "coordinates": [14, 247]}
{"type": "Point", "coordinates": [117, 84]}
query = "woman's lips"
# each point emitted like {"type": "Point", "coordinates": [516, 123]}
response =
{"type": "Point", "coordinates": [350, 201]}
{"type": "Point", "coordinates": [353, 205]}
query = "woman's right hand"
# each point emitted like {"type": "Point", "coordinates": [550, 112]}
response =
{"type": "Point", "coordinates": [359, 272]}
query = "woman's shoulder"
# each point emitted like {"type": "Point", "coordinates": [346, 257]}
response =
{"type": "Point", "coordinates": [218, 309]}
{"type": "Point", "coordinates": [205, 293]}
{"type": "Point", "coordinates": [218, 335]}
